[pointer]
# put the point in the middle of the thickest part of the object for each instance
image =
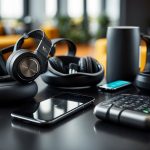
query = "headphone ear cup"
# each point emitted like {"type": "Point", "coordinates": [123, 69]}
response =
{"type": "Point", "coordinates": [23, 66]}
{"type": "Point", "coordinates": [89, 64]}
{"type": "Point", "coordinates": [85, 65]}
{"type": "Point", "coordinates": [57, 64]}
{"type": "Point", "coordinates": [95, 65]}
{"type": "Point", "coordinates": [8, 63]}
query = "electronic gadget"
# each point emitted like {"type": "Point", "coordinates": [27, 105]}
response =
{"type": "Point", "coordinates": [128, 109]}
{"type": "Point", "coordinates": [112, 86]}
{"type": "Point", "coordinates": [72, 71]}
{"type": "Point", "coordinates": [122, 56]}
{"type": "Point", "coordinates": [142, 80]}
{"type": "Point", "coordinates": [53, 109]}
{"type": "Point", "coordinates": [24, 65]}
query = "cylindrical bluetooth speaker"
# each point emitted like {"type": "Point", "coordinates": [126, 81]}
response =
{"type": "Point", "coordinates": [122, 53]}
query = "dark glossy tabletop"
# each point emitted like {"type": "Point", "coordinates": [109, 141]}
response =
{"type": "Point", "coordinates": [81, 131]}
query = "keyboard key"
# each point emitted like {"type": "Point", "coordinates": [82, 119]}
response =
{"type": "Point", "coordinates": [131, 102]}
{"type": "Point", "coordinates": [146, 111]}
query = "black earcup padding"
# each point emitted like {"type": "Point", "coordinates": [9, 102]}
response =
{"type": "Point", "coordinates": [57, 64]}
{"type": "Point", "coordinates": [17, 91]}
{"type": "Point", "coordinates": [88, 65]}
{"type": "Point", "coordinates": [8, 63]}
{"type": "Point", "coordinates": [95, 66]}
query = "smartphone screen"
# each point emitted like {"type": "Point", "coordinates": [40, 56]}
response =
{"type": "Point", "coordinates": [115, 85]}
{"type": "Point", "coordinates": [53, 109]}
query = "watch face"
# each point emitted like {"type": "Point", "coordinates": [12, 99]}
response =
{"type": "Point", "coordinates": [29, 67]}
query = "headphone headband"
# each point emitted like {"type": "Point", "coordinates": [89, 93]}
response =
{"type": "Point", "coordinates": [71, 46]}
{"type": "Point", "coordinates": [43, 50]}
{"type": "Point", "coordinates": [43, 46]}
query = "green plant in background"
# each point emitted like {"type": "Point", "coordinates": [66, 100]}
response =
{"type": "Point", "coordinates": [64, 25]}
{"type": "Point", "coordinates": [73, 29]}
{"type": "Point", "coordinates": [103, 22]}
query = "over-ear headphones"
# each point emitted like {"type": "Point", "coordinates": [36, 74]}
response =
{"type": "Point", "coordinates": [142, 80]}
{"type": "Point", "coordinates": [71, 71]}
{"type": "Point", "coordinates": [17, 91]}
{"type": "Point", "coordinates": [25, 66]}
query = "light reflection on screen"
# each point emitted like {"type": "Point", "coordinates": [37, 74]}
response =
{"type": "Point", "coordinates": [54, 107]}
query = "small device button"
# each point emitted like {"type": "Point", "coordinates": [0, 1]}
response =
{"type": "Point", "coordinates": [146, 110]}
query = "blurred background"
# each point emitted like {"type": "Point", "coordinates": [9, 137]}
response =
{"type": "Point", "coordinates": [83, 21]}
{"type": "Point", "coordinates": [80, 20]}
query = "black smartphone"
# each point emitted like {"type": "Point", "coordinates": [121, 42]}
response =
{"type": "Point", "coordinates": [54, 109]}
{"type": "Point", "coordinates": [112, 86]}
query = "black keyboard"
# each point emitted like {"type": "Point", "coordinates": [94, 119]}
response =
{"type": "Point", "coordinates": [127, 109]}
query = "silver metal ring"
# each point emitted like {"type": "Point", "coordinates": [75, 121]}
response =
{"type": "Point", "coordinates": [29, 67]}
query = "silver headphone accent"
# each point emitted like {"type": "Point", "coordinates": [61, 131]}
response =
{"type": "Point", "coordinates": [29, 67]}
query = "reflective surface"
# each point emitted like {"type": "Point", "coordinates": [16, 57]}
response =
{"type": "Point", "coordinates": [55, 107]}
{"type": "Point", "coordinates": [77, 132]}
